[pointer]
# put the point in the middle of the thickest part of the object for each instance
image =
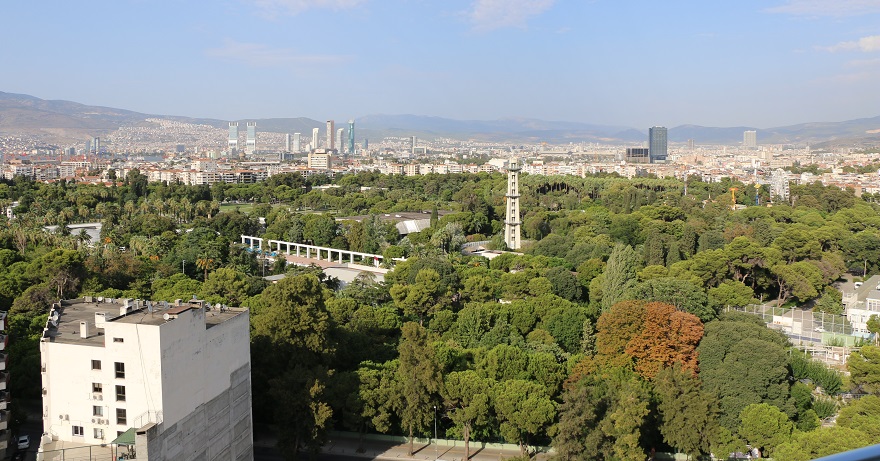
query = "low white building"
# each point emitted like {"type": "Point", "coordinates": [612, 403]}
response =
{"type": "Point", "coordinates": [172, 380]}
{"type": "Point", "coordinates": [860, 301]}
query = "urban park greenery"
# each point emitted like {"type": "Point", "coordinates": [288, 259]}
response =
{"type": "Point", "coordinates": [612, 334]}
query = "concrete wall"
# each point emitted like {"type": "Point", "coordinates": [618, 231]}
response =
{"type": "Point", "coordinates": [220, 429]}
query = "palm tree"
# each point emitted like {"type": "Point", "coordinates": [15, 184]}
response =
{"type": "Point", "coordinates": [205, 263]}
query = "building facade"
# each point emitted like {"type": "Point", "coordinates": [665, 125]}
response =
{"type": "Point", "coordinates": [750, 139]}
{"type": "Point", "coordinates": [175, 378]}
{"type": "Point", "coordinates": [251, 145]}
{"type": "Point", "coordinates": [657, 144]}
{"type": "Point", "coordinates": [330, 132]}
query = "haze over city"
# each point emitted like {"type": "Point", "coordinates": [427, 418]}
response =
{"type": "Point", "coordinates": [751, 63]}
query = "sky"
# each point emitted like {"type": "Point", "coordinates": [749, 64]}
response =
{"type": "Point", "coordinates": [607, 62]}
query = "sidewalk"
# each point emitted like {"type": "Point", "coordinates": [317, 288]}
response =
{"type": "Point", "coordinates": [345, 444]}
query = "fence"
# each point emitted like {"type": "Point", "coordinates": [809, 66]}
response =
{"type": "Point", "coordinates": [827, 337]}
{"type": "Point", "coordinates": [89, 453]}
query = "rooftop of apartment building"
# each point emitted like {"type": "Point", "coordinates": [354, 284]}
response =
{"type": "Point", "coordinates": [82, 320]}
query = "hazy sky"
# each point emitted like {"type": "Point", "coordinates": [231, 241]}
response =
{"type": "Point", "coordinates": [611, 62]}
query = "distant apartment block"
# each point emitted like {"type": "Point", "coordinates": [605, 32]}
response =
{"type": "Point", "coordinates": [637, 155]}
{"type": "Point", "coordinates": [149, 380]}
{"type": "Point", "coordinates": [750, 139]}
{"type": "Point", "coordinates": [320, 159]}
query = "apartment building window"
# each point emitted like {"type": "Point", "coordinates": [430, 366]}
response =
{"type": "Point", "coordinates": [97, 388]}
{"type": "Point", "coordinates": [78, 431]}
{"type": "Point", "coordinates": [120, 416]}
{"type": "Point", "coordinates": [97, 410]}
{"type": "Point", "coordinates": [118, 340]}
{"type": "Point", "coordinates": [120, 393]}
{"type": "Point", "coordinates": [99, 433]}
{"type": "Point", "coordinates": [96, 364]}
{"type": "Point", "coordinates": [120, 370]}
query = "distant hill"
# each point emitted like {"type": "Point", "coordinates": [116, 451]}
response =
{"type": "Point", "coordinates": [60, 121]}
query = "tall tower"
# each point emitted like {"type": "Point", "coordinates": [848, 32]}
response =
{"type": "Point", "coordinates": [97, 145]}
{"type": "Point", "coordinates": [412, 145]}
{"type": "Point", "coordinates": [657, 144]}
{"type": "Point", "coordinates": [232, 141]}
{"type": "Point", "coordinates": [251, 137]}
{"type": "Point", "coordinates": [351, 137]}
{"type": "Point", "coordinates": [339, 133]}
{"type": "Point", "coordinates": [750, 139]}
{"type": "Point", "coordinates": [315, 132]}
{"type": "Point", "coordinates": [297, 141]}
{"type": "Point", "coordinates": [330, 132]}
{"type": "Point", "coordinates": [511, 222]}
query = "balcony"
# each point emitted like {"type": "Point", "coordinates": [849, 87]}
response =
{"type": "Point", "coordinates": [4, 340]}
{"type": "Point", "coordinates": [4, 400]}
{"type": "Point", "coordinates": [2, 361]}
{"type": "Point", "coordinates": [4, 420]}
{"type": "Point", "coordinates": [4, 380]}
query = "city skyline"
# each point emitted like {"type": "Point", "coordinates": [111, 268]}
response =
{"type": "Point", "coordinates": [751, 63]}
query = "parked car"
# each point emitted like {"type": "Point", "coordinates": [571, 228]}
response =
{"type": "Point", "coordinates": [24, 442]}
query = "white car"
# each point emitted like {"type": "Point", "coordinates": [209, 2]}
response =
{"type": "Point", "coordinates": [24, 442]}
{"type": "Point", "coordinates": [820, 329]}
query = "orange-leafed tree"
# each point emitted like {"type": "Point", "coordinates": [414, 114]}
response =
{"type": "Point", "coordinates": [666, 337]}
{"type": "Point", "coordinates": [614, 330]}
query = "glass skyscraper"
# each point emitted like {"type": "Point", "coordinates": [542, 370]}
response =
{"type": "Point", "coordinates": [657, 144]}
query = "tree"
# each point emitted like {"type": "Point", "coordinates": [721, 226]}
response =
{"type": "Point", "coordinates": [524, 410]}
{"type": "Point", "coordinates": [688, 414]}
{"type": "Point", "coordinates": [290, 351]}
{"type": "Point", "coordinates": [730, 294]}
{"type": "Point", "coordinates": [666, 337]}
{"type": "Point", "coordinates": [864, 369]}
{"type": "Point", "coordinates": [466, 396]}
{"type": "Point", "coordinates": [418, 380]}
{"type": "Point", "coordinates": [682, 294]}
{"type": "Point", "coordinates": [420, 298]}
{"type": "Point", "coordinates": [620, 274]}
{"type": "Point", "coordinates": [225, 285]}
{"type": "Point", "coordinates": [764, 425]}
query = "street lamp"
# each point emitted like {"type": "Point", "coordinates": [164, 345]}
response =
{"type": "Point", "coordinates": [435, 432]}
{"type": "Point", "coordinates": [183, 267]}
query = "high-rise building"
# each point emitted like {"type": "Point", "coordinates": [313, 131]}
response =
{"type": "Point", "coordinates": [297, 141]}
{"type": "Point", "coordinates": [88, 146]}
{"type": "Point", "coordinates": [232, 141]}
{"type": "Point", "coordinates": [512, 223]}
{"type": "Point", "coordinates": [315, 133]}
{"type": "Point", "coordinates": [657, 144]}
{"type": "Point", "coordinates": [330, 132]}
{"type": "Point", "coordinates": [251, 145]}
{"type": "Point", "coordinates": [690, 144]}
{"type": "Point", "coordinates": [97, 144]}
{"type": "Point", "coordinates": [339, 133]}
{"type": "Point", "coordinates": [287, 142]}
{"type": "Point", "coordinates": [351, 137]}
{"type": "Point", "coordinates": [165, 381]}
{"type": "Point", "coordinates": [412, 145]}
{"type": "Point", "coordinates": [750, 139]}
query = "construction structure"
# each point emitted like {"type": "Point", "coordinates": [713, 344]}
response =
{"type": "Point", "coordinates": [512, 223]}
{"type": "Point", "coordinates": [142, 380]}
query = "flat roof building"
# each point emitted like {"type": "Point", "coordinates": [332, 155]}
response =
{"type": "Point", "coordinates": [152, 380]}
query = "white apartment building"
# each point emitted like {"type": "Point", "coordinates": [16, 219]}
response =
{"type": "Point", "coordinates": [150, 380]}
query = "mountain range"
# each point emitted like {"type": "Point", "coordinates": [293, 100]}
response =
{"type": "Point", "coordinates": [64, 121]}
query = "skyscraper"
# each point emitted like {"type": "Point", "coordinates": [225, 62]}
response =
{"type": "Point", "coordinates": [351, 137]}
{"type": "Point", "coordinates": [339, 139]}
{"type": "Point", "coordinates": [232, 141]}
{"type": "Point", "coordinates": [297, 142]}
{"type": "Point", "coordinates": [330, 132]}
{"type": "Point", "coordinates": [97, 145]}
{"type": "Point", "coordinates": [315, 132]}
{"type": "Point", "coordinates": [287, 142]}
{"type": "Point", "coordinates": [412, 145]}
{"type": "Point", "coordinates": [750, 139]}
{"type": "Point", "coordinates": [657, 144]}
{"type": "Point", "coordinates": [251, 137]}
